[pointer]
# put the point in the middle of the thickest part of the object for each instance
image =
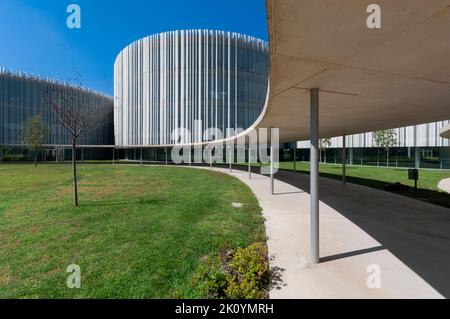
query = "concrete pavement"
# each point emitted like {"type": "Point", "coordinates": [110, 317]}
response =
{"type": "Point", "coordinates": [445, 185]}
{"type": "Point", "coordinates": [362, 231]}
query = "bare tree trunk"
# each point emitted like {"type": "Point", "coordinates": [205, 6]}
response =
{"type": "Point", "coordinates": [74, 171]}
{"type": "Point", "coordinates": [387, 157]}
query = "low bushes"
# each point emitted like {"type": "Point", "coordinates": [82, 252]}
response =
{"type": "Point", "coordinates": [243, 273]}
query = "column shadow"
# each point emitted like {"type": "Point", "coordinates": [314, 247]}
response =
{"type": "Point", "coordinates": [351, 254]}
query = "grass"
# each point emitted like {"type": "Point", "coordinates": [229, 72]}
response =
{"type": "Point", "coordinates": [377, 177]}
{"type": "Point", "coordinates": [139, 232]}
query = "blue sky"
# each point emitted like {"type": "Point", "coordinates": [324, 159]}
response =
{"type": "Point", "coordinates": [35, 39]}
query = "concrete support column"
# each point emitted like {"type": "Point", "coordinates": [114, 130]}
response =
{"type": "Point", "coordinates": [344, 159]}
{"type": "Point", "coordinates": [230, 160]}
{"type": "Point", "coordinates": [141, 157]}
{"type": "Point", "coordinates": [167, 161]}
{"type": "Point", "coordinates": [211, 159]}
{"type": "Point", "coordinates": [295, 157]}
{"type": "Point", "coordinates": [272, 184]}
{"type": "Point", "coordinates": [417, 157]}
{"type": "Point", "coordinates": [249, 163]}
{"type": "Point", "coordinates": [114, 156]}
{"type": "Point", "coordinates": [314, 175]}
{"type": "Point", "coordinates": [190, 155]}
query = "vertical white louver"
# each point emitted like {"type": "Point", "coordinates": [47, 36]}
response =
{"type": "Point", "coordinates": [172, 79]}
{"type": "Point", "coordinates": [22, 97]}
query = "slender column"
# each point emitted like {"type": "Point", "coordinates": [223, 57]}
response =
{"type": "Point", "coordinates": [190, 156]}
{"type": "Point", "coordinates": [344, 160]}
{"type": "Point", "coordinates": [167, 162]}
{"type": "Point", "coordinates": [417, 157]}
{"type": "Point", "coordinates": [211, 158]}
{"type": "Point", "coordinates": [314, 175]}
{"type": "Point", "coordinates": [230, 160]}
{"type": "Point", "coordinates": [249, 163]}
{"type": "Point", "coordinates": [1, 154]}
{"type": "Point", "coordinates": [272, 186]}
{"type": "Point", "coordinates": [141, 156]}
{"type": "Point", "coordinates": [295, 157]}
{"type": "Point", "coordinates": [82, 156]}
{"type": "Point", "coordinates": [114, 156]}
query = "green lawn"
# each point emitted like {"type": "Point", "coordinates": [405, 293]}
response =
{"type": "Point", "coordinates": [377, 177]}
{"type": "Point", "coordinates": [139, 231]}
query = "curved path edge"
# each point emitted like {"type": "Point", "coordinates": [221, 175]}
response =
{"type": "Point", "coordinates": [354, 265]}
{"type": "Point", "coordinates": [444, 185]}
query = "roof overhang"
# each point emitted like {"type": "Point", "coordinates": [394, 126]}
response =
{"type": "Point", "coordinates": [369, 79]}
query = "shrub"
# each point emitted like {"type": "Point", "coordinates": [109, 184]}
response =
{"type": "Point", "coordinates": [243, 273]}
{"type": "Point", "coordinates": [248, 276]}
{"type": "Point", "coordinates": [209, 279]}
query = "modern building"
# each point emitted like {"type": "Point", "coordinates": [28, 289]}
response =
{"type": "Point", "coordinates": [174, 79]}
{"type": "Point", "coordinates": [416, 145]}
{"type": "Point", "coordinates": [22, 97]}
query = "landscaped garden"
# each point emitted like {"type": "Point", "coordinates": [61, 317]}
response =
{"type": "Point", "coordinates": [139, 232]}
{"type": "Point", "coordinates": [380, 177]}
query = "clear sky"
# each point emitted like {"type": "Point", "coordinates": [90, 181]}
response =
{"type": "Point", "coordinates": [34, 37]}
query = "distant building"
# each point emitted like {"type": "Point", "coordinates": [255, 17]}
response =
{"type": "Point", "coordinates": [22, 97]}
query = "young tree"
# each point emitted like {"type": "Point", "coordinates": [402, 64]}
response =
{"type": "Point", "coordinates": [69, 110]}
{"type": "Point", "coordinates": [34, 136]}
{"type": "Point", "coordinates": [324, 143]}
{"type": "Point", "coordinates": [385, 139]}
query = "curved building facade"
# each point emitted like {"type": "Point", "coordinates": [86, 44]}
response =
{"type": "Point", "coordinates": [194, 79]}
{"type": "Point", "coordinates": [22, 97]}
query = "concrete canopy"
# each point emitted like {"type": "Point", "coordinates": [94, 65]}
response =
{"type": "Point", "coordinates": [369, 79]}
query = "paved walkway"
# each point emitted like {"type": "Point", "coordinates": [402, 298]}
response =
{"type": "Point", "coordinates": [445, 185]}
{"type": "Point", "coordinates": [408, 240]}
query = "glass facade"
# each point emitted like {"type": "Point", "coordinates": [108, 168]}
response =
{"type": "Point", "coordinates": [22, 97]}
{"type": "Point", "coordinates": [416, 145]}
{"type": "Point", "coordinates": [171, 80]}
{"type": "Point", "coordinates": [422, 157]}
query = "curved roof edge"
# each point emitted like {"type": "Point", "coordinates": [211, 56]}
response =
{"type": "Point", "coordinates": [212, 31]}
